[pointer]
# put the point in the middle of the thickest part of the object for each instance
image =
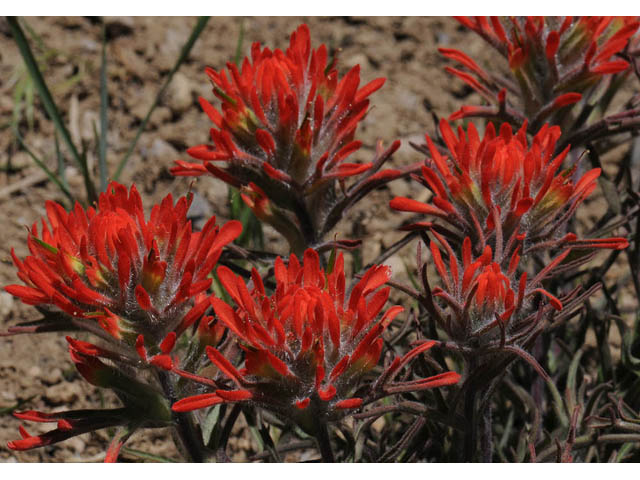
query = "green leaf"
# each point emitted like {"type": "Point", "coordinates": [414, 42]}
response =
{"type": "Point", "coordinates": [571, 380]}
{"type": "Point", "coordinates": [52, 176]}
{"type": "Point", "coordinates": [47, 101]}
{"type": "Point", "coordinates": [62, 169]}
{"type": "Point", "coordinates": [238, 57]}
{"type": "Point", "coordinates": [624, 449]}
{"type": "Point", "coordinates": [252, 234]}
{"type": "Point", "coordinates": [146, 455]}
{"type": "Point", "coordinates": [209, 423]}
{"type": "Point", "coordinates": [611, 194]}
{"type": "Point", "coordinates": [558, 404]}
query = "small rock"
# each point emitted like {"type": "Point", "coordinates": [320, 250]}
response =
{"type": "Point", "coordinates": [118, 26]}
{"type": "Point", "coordinates": [170, 48]}
{"type": "Point", "coordinates": [140, 106]}
{"type": "Point", "coordinates": [8, 396]}
{"type": "Point", "coordinates": [52, 377]}
{"type": "Point", "coordinates": [379, 424]}
{"type": "Point", "coordinates": [76, 444]}
{"type": "Point", "coordinates": [163, 151]}
{"type": "Point", "coordinates": [6, 304]}
{"type": "Point", "coordinates": [180, 92]}
{"type": "Point", "coordinates": [216, 192]}
{"type": "Point", "coordinates": [34, 372]}
{"type": "Point", "coordinates": [357, 59]}
{"type": "Point", "coordinates": [442, 38]}
{"type": "Point", "coordinates": [160, 116]}
{"type": "Point", "coordinates": [90, 45]}
{"type": "Point", "coordinates": [396, 264]}
{"type": "Point", "coordinates": [21, 160]}
{"type": "Point", "coordinates": [89, 121]}
{"type": "Point", "coordinates": [63, 393]}
{"type": "Point", "coordinates": [399, 188]}
{"type": "Point", "coordinates": [200, 211]}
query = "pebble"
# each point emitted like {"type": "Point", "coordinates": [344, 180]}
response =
{"type": "Point", "coordinates": [89, 120]}
{"type": "Point", "coordinates": [118, 26]}
{"type": "Point", "coordinates": [396, 264]}
{"type": "Point", "coordinates": [76, 444]}
{"type": "Point", "coordinates": [160, 116]}
{"type": "Point", "coordinates": [6, 304]}
{"type": "Point", "coordinates": [216, 192]}
{"type": "Point", "coordinates": [379, 424]}
{"type": "Point", "coordinates": [21, 160]}
{"type": "Point", "coordinates": [357, 59]}
{"type": "Point", "coordinates": [200, 211]}
{"type": "Point", "coordinates": [52, 377]}
{"type": "Point", "coordinates": [8, 395]}
{"type": "Point", "coordinates": [180, 92]}
{"type": "Point", "coordinates": [400, 188]}
{"type": "Point", "coordinates": [63, 393]}
{"type": "Point", "coordinates": [163, 151]}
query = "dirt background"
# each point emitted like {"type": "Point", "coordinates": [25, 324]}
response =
{"type": "Point", "coordinates": [141, 51]}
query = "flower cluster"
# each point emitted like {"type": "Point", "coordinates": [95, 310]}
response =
{"type": "Point", "coordinates": [138, 284]}
{"type": "Point", "coordinates": [286, 126]}
{"type": "Point", "coordinates": [502, 191]}
{"type": "Point", "coordinates": [110, 267]}
{"type": "Point", "coordinates": [308, 347]}
{"type": "Point", "coordinates": [177, 333]}
{"type": "Point", "coordinates": [487, 301]}
{"type": "Point", "coordinates": [500, 199]}
{"type": "Point", "coordinates": [554, 62]}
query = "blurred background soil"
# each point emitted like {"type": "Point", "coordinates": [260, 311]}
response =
{"type": "Point", "coordinates": [141, 51]}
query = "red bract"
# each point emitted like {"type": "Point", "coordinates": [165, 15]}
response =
{"type": "Point", "coordinates": [308, 346]}
{"type": "Point", "coordinates": [144, 405]}
{"type": "Point", "coordinates": [110, 266]}
{"type": "Point", "coordinates": [486, 299]}
{"type": "Point", "coordinates": [501, 189]}
{"type": "Point", "coordinates": [553, 63]}
{"type": "Point", "coordinates": [69, 424]}
{"type": "Point", "coordinates": [287, 123]}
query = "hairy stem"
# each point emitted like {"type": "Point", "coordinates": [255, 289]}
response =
{"type": "Point", "coordinates": [471, 419]}
{"type": "Point", "coordinates": [324, 443]}
{"type": "Point", "coordinates": [487, 437]}
{"type": "Point", "coordinates": [189, 438]}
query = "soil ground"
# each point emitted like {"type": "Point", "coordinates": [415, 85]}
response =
{"type": "Point", "coordinates": [141, 51]}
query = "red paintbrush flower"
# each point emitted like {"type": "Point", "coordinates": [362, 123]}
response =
{"type": "Point", "coordinates": [69, 424]}
{"type": "Point", "coordinates": [287, 123]}
{"type": "Point", "coordinates": [553, 63]}
{"type": "Point", "coordinates": [501, 189]}
{"type": "Point", "coordinates": [111, 266]}
{"type": "Point", "coordinates": [486, 300]}
{"type": "Point", "coordinates": [308, 346]}
{"type": "Point", "coordinates": [144, 405]}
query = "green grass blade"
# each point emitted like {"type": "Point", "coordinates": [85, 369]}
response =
{"type": "Point", "coordinates": [37, 38]}
{"type": "Point", "coordinates": [186, 49]}
{"type": "Point", "coordinates": [62, 169]}
{"type": "Point", "coordinates": [52, 176]}
{"type": "Point", "coordinates": [28, 103]}
{"type": "Point", "coordinates": [19, 404]}
{"type": "Point", "coordinates": [238, 57]}
{"type": "Point", "coordinates": [47, 100]}
{"type": "Point", "coordinates": [146, 456]}
{"type": "Point", "coordinates": [104, 103]}
{"type": "Point", "coordinates": [18, 96]}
